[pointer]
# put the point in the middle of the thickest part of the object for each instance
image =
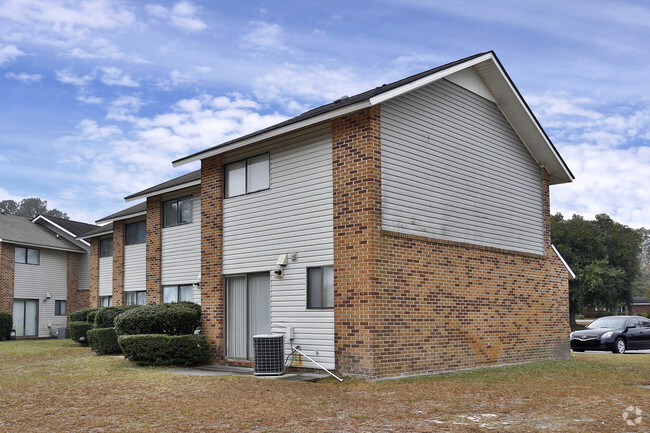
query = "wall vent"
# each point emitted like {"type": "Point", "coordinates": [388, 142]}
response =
{"type": "Point", "coordinates": [269, 354]}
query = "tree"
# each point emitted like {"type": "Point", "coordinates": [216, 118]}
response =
{"type": "Point", "coordinates": [641, 286]}
{"type": "Point", "coordinates": [604, 254]}
{"type": "Point", "coordinates": [30, 207]}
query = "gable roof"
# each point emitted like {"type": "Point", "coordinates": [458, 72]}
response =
{"type": "Point", "coordinates": [184, 181]}
{"type": "Point", "coordinates": [22, 231]}
{"type": "Point", "coordinates": [99, 231]}
{"type": "Point", "coordinates": [133, 211]}
{"type": "Point", "coordinates": [488, 67]}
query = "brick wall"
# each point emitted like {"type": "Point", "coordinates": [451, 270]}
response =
{"type": "Point", "coordinates": [640, 309]}
{"type": "Point", "coordinates": [76, 299]}
{"type": "Point", "coordinates": [409, 305]}
{"type": "Point", "coordinates": [118, 263]}
{"type": "Point", "coordinates": [6, 277]}
{"type": "Point", "coordinates": [93, 293]}
{"type": "Point", "coordinates": [212, 290]}
{"type": "Point", "coordinates": [154, 250]}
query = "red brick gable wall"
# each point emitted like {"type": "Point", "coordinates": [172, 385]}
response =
{"type": "Point", "coordinates": [154, 250]}
{"type": "Point", "coordinates": [409, 305]}
{"type": "Point", "coordinates": [6, 277]}
{"type": "Point", "coordinates": [76, 299]}
{"type": "Point", "coordinates": [93, 295]}
{"type": "Point", "coordinates": [118, 262]}
{"type": "Point", "coordinates": [212, 284]}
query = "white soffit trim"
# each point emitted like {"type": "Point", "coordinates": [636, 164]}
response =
{"type": "Point", "coordinates": [44, 247]}
{"type": "Point", "coordinates": [59, 227]}
{"type": "Point", "coordinates": [427, 80]}
{"type": "Point", "coordinates": [274, 133]}
{"type": "Point", "coordinates": [163, 191]}
{"type": "Point", "coordinates": [108, 232]}
{"type": "Point", "coordinates": [123, 217]}
{"type": "Point", "coordinates": [572, 275]}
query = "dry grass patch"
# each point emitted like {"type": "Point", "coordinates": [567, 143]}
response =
{"type": "Point", "coordinates": [53, 385]}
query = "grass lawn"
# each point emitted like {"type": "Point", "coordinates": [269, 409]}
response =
{"type": "Point", "coordinates": [53, 385]}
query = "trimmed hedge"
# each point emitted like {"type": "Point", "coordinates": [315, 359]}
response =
{"type": "Point", "coordinates": [81, 315]}
{"type": "Point", "coordinates": [78, 330]}
{"type": "Point", "coordinates": [157, 349]}
{"type": "Point", "coordinates": [105, 316]}
{"type": "Point", "coordinates": [90, 318]}
{"type": "Point", "coordinates": [104, 341]}
{"type": "Point", "coordinates": [177, 318]}
{"type": "Point", "coordinates": [6, 325]}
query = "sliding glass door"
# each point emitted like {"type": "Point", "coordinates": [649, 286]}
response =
{"type": "Point", "coordinates": [26, 317]}
{"type": "Point", "coordinates": [248, 312]}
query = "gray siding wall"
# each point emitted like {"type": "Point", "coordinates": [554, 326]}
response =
{"type": "Point", "coordinates": [84, 271]}
{"type": "Point", "coordinates": [106, 276]}
{"type": "Point", "coordinates": [135, 267]}
{"type": "Point", "coordinates": [293, 216]}
{"type": "Point", "coordinates": [454, 169]}
{"type": "Point", "coordinates": [181, 247]}
{"type": "Point", "coordinates": [33, 281]}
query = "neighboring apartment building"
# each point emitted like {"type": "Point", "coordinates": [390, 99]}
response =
{"type": "Point", "coordinates": [44, 272]}
{"type": "Point", "coordinates": [401, 231]}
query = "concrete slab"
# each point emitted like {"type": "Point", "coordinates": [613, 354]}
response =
{"type": "Point", "coordinates": [221, 370]}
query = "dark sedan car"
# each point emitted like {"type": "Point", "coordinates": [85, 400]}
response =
{"type": "Point", "coordinates": [615, 333]}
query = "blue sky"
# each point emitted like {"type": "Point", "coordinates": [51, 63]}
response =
{"type": "Point", "coordinates": [98, 97]}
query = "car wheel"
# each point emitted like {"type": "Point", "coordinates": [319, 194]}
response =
{"type": "Point", "coordinates": [619, 346]}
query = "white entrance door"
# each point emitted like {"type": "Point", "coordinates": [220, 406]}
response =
{"type": "Point", "coordinates": [248, 312]}
{"type": "Point", "coordinates": [26, 317]}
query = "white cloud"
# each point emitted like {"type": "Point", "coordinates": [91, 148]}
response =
{"type": "Point", "coordinates": [85, 98]}
{"type": "Point", "coordinates": [9, 53]}
{"type": "Point", "coordinates": [182, 15]}
{"type": "Point", "coordinates": [608, 151]}
{"type": "Point", "coordinates": [264, 36]}
{"type": "Point", "coordinates": [112, 76]}
{"type": "Point", "coordinates": [66, 76]}
{"type": "Point", "coordinates": [124, 108]}
{"type": "Point", "coordinates": [290, 84]}
{"type": "Point", "coordinates": [90, 130]}
{"type": "Point", "coordinates": [25, 78]}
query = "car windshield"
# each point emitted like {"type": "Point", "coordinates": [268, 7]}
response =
{"type": "Point", "coordinates": [608, 322]}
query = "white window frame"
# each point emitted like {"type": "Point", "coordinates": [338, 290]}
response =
{"type": "Point", "coordinates": [25, 260]}
{"type": "Point", "coordinates": [60, 307]}
{"type": "Point", "coordinates": [177, 288]}
{"type": "Point", "coordinates": [179, 213]}
{"type": "Point", "coordinates": [140, 295]}
{"type": "Point", "coordinates": [137, 225]}
{"type": "Point", "coordinates": [322, 287]}
{"type": "Point", "coordinates": [101, 252]}
{"type": "Point", "coordinates": [247, 163]}
{"type": "Point", "coordinates": [106, 301]}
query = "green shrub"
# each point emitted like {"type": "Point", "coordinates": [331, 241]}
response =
{"type": "Point", "coordinates": [90, 318]}
{"type": "Point", "coordinates": [81, 315]}
{"type": "Point", "coordinates": [78, 330]}
{"type": "Point", "coordinates": [6, 325]}
{"type": "Point", "coordinates": [104, 341]}
{"type": "Point", "coordinates": [157, 349]}
{"type": "Point", "coordinates": [177, 318]}
{"type": "Point", "coordinates": [105, 316]}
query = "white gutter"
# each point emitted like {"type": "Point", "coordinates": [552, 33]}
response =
{"type": "Point", "coordinates": [163, 191]}
{"type": "Point", "coordinates": [41, 246]}
{"type": "Point", "coordinates": [97, 234]}
{"type": "Point", "coordinates": [274, 133]}
{"type": "Point", "coordinates": [60, 228]}
{"type": "Point", "coordinates": [124, 217]}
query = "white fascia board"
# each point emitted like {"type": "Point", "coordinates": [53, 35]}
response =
{"type": "Point", "coordinates": [164, 191]}
{"type": "Point", "coordinates": [515, 94]}
{"type": "Point", "coordinates": [275, 132]}
{"type": "Point", "coordinates": [428, 79]}
{"type": "Point", "coordinates": [572, 275]}
{"type": "Point", "coordinates": [124, 217]}
{"type": "Point", "coordinates": [59, 227]}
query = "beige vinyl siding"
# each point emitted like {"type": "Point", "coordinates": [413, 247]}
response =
{"type": "Point", "coordinates": [293, 216]}
{"type": "Point", "coordinates": [34, 281]}
{"type": "Point", "coordinates": [135, 267]}
{"type": "Point", "coordinates": [84, 271]}
{"type": "Point", "coordinates": [454, 169]}
{"type": "Point", "coordinates": [106, 276]}
{"type": "Point", "coordinates": [181, 247]}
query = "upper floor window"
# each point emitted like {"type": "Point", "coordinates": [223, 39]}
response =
{"type": "Point", "coordinates": [320, 287]}
{"type": "Point", "coordinates": [136, 233]}
{"type": "Point", "coordinates": [106, 247]}
{"type": "Point", "coordinates": [177, 211]}
{"type": "Point", "coordinates": [30, 256]}
{"type": "Point", "coordinates": [248, 175]}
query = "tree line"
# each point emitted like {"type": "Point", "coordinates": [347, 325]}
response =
{"type": "Point", "coordinates": [611, 260]}
{"type": "Point", "coordinates": [30, 208]}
